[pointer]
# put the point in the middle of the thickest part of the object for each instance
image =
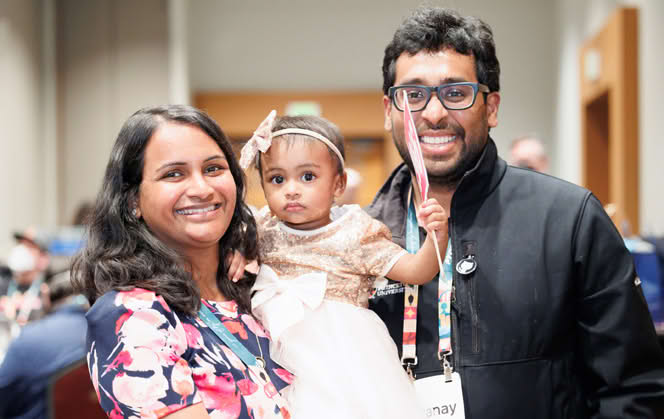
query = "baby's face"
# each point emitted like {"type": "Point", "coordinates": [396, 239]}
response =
{"type": "Point", "coordinates": [300, 182]}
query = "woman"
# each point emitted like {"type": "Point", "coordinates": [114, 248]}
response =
{"type": "Point", "coordinates": [169, 211]}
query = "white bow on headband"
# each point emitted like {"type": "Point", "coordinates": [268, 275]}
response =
{"type": "Point", "coordinates": [261, 141]}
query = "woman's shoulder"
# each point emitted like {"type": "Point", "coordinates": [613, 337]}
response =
{"type": "Point", "coordinates": [119, 302]}
{"type": "Point", "coordinates": [132, 314]}
{"type": "Point", "coordinates": [120, 296]}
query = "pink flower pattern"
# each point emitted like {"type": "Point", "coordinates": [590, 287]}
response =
{"type": "Point", "coordinates": [147, 361]}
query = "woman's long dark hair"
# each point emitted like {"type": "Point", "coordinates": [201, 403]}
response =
{"type": "Point", "coordinates": [122, 253]}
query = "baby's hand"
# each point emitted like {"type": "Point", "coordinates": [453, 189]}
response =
{"type": "Point", "coordinates": [434, 218]}
{"type": "Point", "coordinates": [237, 264]}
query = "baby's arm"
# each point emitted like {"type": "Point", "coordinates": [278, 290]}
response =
{"type": "Point", "coordinates": [238, 264]}
{"type": "Point", "coordinates": [422, 266]}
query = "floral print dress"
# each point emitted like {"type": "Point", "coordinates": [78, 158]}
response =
{"type": "Point", "coordinates": [147, 360]}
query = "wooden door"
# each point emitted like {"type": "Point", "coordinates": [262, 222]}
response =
{"type": "Point", "coordinates": [610, 117]}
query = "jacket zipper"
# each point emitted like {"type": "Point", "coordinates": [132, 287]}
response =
{"type": "Point", "coordinates": [454, 323]}
{"type": "Point", "coordinates": [468, 251]}
{"type": "Point", "coordinates": [474, 318]}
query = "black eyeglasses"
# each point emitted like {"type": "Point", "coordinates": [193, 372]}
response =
{"type": "Point", "coordinates": [453, 96]}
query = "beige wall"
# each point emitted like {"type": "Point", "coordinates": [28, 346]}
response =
{"type": "Point", "coordinates": [112, 60]}
{"type": "Point", "coordinates": [21, 147]}
{"type": "Point", "coordinates": [651, 92]}
{"type": "Point", "coordinates": [72, 72]}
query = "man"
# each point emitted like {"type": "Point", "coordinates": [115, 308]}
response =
{"type": "Point", "coordinates": [528, 152]}
{"type": "Point", "coordinates": [42, 348]}
{"type": "Point", "coordinates": [547, 316]}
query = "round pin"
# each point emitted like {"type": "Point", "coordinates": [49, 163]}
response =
{"type": "Point", "coordinates": [466, 265]}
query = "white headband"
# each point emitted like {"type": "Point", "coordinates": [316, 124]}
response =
{"type": "Point", "coordinates": [261, 140]}
{"type": "Point", "coordinates": [311, 133]}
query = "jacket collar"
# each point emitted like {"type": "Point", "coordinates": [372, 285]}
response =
{"type": "Point", "coordinates": [390, 204]}
{"type": "Point", "coordinates": [482, 179]}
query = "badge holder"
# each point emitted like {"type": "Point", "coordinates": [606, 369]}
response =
{"type": "Point", "coordinates": [447, 367]}
{"type": "Point", "coordinates": [408, 364]}
{"type": "Point", "coordinates": [441, 395]}
{"type": "Point", "coordinates": [438, 397]}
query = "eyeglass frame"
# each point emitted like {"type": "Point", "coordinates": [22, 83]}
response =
{"type": "Point", "coordinates": [477, 87]}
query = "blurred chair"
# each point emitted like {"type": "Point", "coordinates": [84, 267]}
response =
{"type": "Point", "coordinates": [71, 394]}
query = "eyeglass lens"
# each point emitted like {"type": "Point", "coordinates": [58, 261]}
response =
{"type": "Point", "coordinates": [452, 97]}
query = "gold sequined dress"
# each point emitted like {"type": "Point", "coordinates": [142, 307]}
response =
{"type": "Point", "coordinates": [312, 295]}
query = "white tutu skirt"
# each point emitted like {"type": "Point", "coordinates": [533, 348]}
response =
{"type": "Point", "coordinates": [345, 366]}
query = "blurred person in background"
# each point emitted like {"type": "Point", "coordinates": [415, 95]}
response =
{"type": "Point", "coordinates": [529, 152]}
{"type": "Point", "coordinates": [42, 348]}
{"type": "Point", "coordinates": [7, 326]}
{"type": "Point", "coordinates": [21, 298]}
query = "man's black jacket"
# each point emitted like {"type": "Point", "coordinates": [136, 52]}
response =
{"type": "Point", "coordinates": [552, 323]}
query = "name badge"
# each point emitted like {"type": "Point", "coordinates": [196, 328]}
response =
{"type": "Point", "coordinates": [440, 399]}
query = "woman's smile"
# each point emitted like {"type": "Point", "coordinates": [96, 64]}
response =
{"type": "Point", "coordinates": [198, 210]}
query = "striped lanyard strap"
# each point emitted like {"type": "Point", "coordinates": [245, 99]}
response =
{"type": "Point", "coordinates": [409, 354]}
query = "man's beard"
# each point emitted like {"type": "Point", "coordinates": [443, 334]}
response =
{"type": "Point", "coordinates": [450, 177]}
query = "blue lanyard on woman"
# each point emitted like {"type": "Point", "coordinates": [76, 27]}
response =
{"type": "Point", "coordinates": [251, 361]}
{"type": "Point", "coordinates": [227, 337]}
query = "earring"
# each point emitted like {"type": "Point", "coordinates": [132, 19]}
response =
{"type": "Point", "coordinates": [134, 212]}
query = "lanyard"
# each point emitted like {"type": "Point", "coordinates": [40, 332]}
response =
{"type": "Point", "coordinates": [409, 357]}
{"type": "Point", "coordinates": [258, 365]}
{"type": "Point", "coordinates": [227, 337]}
